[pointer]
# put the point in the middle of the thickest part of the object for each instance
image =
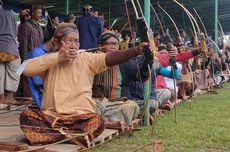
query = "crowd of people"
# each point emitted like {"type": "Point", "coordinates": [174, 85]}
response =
{"type": "Point", "coordinates": [89, 91]}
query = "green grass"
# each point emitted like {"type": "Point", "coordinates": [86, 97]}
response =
{"type": "Point", "coordinates": [202, 126]}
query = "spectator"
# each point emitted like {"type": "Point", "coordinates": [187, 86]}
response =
{"type": "Point", "coordinates": [32, 37]}
{"type": "Point", "coordinates": [70, 18]}
{"type": "Point", "coordinates": [9, 56]}
{"type": "Point", "coordinates": [31, 32]}
{"type": "Point", "coordinates": [90, 28]}
{"type": "Point", "coordinates": [24, 16]}
{"type": "Point", "coordinates": [53, 22]}
{"type": "Point", "coordinates": [95, 13]}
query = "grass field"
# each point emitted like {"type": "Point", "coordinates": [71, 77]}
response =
{"type": "Point", "coordinates": [203, 125]}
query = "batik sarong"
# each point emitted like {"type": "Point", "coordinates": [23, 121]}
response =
{"type": "Point", "coordinates": [42, 127]}
{"type": "Point", "coordinates": [125, 111]}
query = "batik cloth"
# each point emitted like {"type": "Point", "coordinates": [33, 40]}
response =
{"type": "Point", "coordinates": [42, 127]}
{"type": "Point", "coordinates": [125, 111]}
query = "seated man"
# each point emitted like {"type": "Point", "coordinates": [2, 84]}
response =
{"type": "Point", "coordinates": [113, 84]}
{"type": "Point", "coordinates": [163, 95]}
{"type": "Point", "coordinates": [67, 103]}
{"type": "Point", "coordinates": [163, 57]}
{"type": "Point", "coordinates": [35, 82]}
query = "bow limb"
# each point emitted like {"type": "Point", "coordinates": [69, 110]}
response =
{"type": "Point", "coordinates": [214, 44]}
{"type": "Point", "coordinates": [129, 23]}
{"type": "Point", "coordinates": [177, 30]}
{"type": "Point", "coordinates": [146, 36]}
{"type": "Point", "coordinates": [203, 46]}
{"type": "Point", "coordinates": [171, 58]}
{"type": "Point", "coordinates": [141, 22]}
{"type": "Point", "coordinates": [202, 23]}
{"type": "Point", "coordinates": [193, 27]}
{"type": "Point", "coordinates": [222, 33]}
{"type": "Point", "coordinates": [192, 22]}
{"type": "Point", "coordinates": [201, 35]}
{"type": "Point", "coordinates": [136, 12]}
{"type": "Point", "coordinates": [206, 33]}
{"type": "Point", "coordinates": [209, 41]}
{"type": "Point", "coordinates": [187, 12]}
{"type": "Point", "coordinates": [162, 29]}
{"type": "Point", "coordinates": [149, 34]}
{"type": "Point", "coordinates": [221, 28]}
{"type": "Point", "coordinates": [123, 27]}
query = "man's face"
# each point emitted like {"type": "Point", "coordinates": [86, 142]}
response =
{"type": "Point", "coordinates": [183, 34]}
{"type": "Point", "coordinates": [71, 40]}
{"type": "Point", "coordinates": [134, 35]}
{"type": "Point", "coordinates": [56, 21]}
{"type": "Point", "coordinates": [72, 20]}
{"type": "Point", "coordinates": [158, 36]}
{"type": "Point", "coordinates": [111, 45]}
{"type": "Point", "coordinates": [37, 14]}
{"type": "Point", "coordinates": [95, 14]}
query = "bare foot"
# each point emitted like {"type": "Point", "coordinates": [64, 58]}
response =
{"type": "Point", "coordinates": [115, 125]}
{"type": "Point", "coordinates": [10, 101]}
{"type": "Point", "coordinates": [165, 106]}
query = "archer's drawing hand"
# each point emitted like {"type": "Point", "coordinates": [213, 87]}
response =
{"type": "Point", "coordinates": [65, 54]}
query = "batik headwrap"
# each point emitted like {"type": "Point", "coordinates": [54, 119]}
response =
{"type": "Point", "coordinates": [64, 29]}
{"type": "Point", "coordinates": [105, 36]}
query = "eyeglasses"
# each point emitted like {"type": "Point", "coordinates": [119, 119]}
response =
{"type": "Point", "coordinates": [111, 43]}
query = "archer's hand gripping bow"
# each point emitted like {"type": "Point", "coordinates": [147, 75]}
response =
{"type": "Point", "coordinates": [144, 31]}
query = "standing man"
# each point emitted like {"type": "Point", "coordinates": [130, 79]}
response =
{"type": "Point", "coordinates": [70, 18]}
{"type": "Point", "coordinates": [90, 28]}
{"type": "Point", "coordinates": [32, 32]}
{"type": "Point", "coordinates": [24, 16]}
{"type": "Point", "coordinates": [52, 24]}
{"type": "Point", "coordinates": [32, 37]}
{"type": "Point", "coordinates": [9, 56]}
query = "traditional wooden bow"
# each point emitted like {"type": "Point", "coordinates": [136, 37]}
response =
{"type": "Point", "coordinates": [201, 35]}
{"type": "Point", "coordinates": [154, 11]}
{"type": "Point", "coordinates": [222, 33]}
{"type": "Point", "coordinates": [177, 30]}
{"type": "Point", "coordinates": [203, 46]}
{"type": "Point", "coordinates": [209, 40]}
{"type": "Point", "coordinates": [146, 36]}
{"type": "Point", "coordinates": [172, 67]}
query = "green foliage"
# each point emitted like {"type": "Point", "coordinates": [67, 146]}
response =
{"type": "Point", "coordinates": [203, 125]}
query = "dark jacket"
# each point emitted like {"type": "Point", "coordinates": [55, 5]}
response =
{"type": "Point", "coordinates": [90, 28]}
